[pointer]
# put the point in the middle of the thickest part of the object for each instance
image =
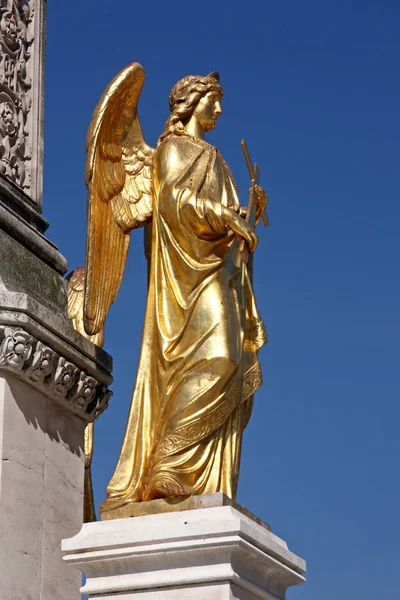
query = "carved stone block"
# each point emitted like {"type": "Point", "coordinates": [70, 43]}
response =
{"type": "Point", "coordinates": [16, 348]}
{"type": "Point", "coordinates": [21, 96]}
{"type": "Point", "coordinates": [53, 375]}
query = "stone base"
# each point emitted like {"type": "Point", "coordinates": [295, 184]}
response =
{"type": "Point", "coordinates": [166, 505]}
{"type": "Point", "coordinates": [215, 553]}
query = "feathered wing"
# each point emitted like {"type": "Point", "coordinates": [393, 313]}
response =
{"type": "Point", "coordinates": [76, 288]}
{"type": "Point", "coordinates": [119, 182]}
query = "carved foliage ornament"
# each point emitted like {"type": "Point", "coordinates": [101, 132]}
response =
{"type": "Point", "coordinates": [16, 348]}
{"type": "Point", "coordinates": [56, 377]}
{"type": "Point", "coordinates": [16, 41]}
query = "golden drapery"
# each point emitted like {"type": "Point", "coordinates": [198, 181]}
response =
{"type": "Point", "coordinates": [198, 367]}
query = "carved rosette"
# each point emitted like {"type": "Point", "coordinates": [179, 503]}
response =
{"type": "Point", "coordinates": [16, 71]}
{"type": "Point", "coordinates": [16, 348]}
{"type": "Point", "coordinates": [56, 377]}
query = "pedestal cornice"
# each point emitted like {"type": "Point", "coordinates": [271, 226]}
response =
{"type": "Point", "coordinates": [215, 553]}
{"type": "Point", "coordinates": [52, 374]}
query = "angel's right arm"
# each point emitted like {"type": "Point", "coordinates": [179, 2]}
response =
{"type": "Point", "coordinates": [239, 226]}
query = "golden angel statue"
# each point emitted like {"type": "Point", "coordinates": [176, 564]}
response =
{"type": "Point", "coordinates": [198, 367]}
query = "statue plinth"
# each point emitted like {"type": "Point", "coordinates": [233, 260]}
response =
{"type": "Point", "coordinates": [167, 505]}
{"type": "Point", "coordinates": [216, 553]}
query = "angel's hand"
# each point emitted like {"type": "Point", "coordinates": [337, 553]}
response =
{"type": "Point", "coordinates": [243, 211]}
{"type": "Point", "coordinates": [261, 199]}
{"type": "Point", "coordinates": [235, 222]}
{"type": "Point", "coordinates": [251, 237]}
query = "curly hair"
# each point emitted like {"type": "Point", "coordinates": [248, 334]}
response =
{"type": "Point", "coordinates": [183, 99]}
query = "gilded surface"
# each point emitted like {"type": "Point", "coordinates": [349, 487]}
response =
{"type": "Point", "coordinates": [198, 367]}
{"type": "Point", "coordinates": [76, 286]}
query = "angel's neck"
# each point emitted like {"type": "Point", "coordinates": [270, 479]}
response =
{"type": "Point", "coordinates": [194, 128]}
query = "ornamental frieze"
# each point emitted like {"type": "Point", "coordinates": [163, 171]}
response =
{"type": "Point", "coordinates": [20, 94]}
{"type": "Point", "coordinates": [57, 378]}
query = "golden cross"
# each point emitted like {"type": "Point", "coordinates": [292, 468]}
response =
{"type": "Point", "coordinates": [254, 173]}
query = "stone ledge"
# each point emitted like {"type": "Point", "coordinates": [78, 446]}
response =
{"type": "Point", "coordinates": [57, 331]}
{"type": "Point", "coordinates": [62, 381]}
{"type": "Point", "coordinates": [31, 238]}
{"type": "Point", "coordinates": [20, 203]}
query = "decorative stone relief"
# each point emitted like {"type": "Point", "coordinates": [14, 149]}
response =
{"type": "Point", "coordinates": [16, 348]}
{"type": "Point", "coordinates": [19, 88]}
{"type": "Point", "coordinates": [43, 363]}
{"type": "Point", "coordinates": [51, 373]}
{"type": "Point", "coordinates": [64, 377]}
{"type": "Point", "coordinates": [86, 390]}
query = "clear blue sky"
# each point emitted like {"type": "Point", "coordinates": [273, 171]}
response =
{"type": "Point", "coordinates": [314, 87]}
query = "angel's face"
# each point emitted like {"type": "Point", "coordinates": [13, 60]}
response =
{"type": "Point", "coordinates": [208, 110]}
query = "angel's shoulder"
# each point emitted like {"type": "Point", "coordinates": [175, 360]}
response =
{"type": "Point", "coordinates": [177, 147]}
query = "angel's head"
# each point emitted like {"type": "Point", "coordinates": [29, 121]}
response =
{"type": "Point", "coordinates": [196, 96]}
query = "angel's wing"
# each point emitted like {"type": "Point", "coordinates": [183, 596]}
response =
{"type": "Point", "coordinates": [118, 178]}
{"type": "Point", "coordinates": [76, 288]}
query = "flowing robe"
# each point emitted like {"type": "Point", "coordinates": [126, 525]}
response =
{"type": "Point", "coordinates": [198, 367]}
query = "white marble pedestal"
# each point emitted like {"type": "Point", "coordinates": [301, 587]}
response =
{"type": "Point", "coordinates": [214, 553]}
